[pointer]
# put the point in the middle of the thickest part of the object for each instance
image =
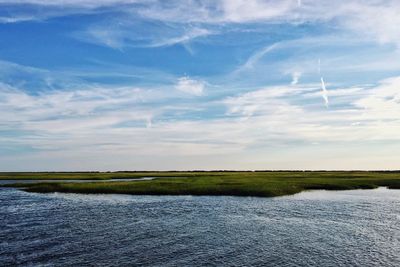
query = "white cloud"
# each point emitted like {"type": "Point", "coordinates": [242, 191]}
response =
{"type": "Point", "coordinates": [295, 77]}
{"type": "Point", "coordinates": [71, 3]}
{"type": "Point", "coordinates": [98, 120]}
{"type": "Point", "coordinates": [121, 33]}
{"type": "Point", "coordinates": [119, 122]}
{"type": "Point", "coordinates": [266, 102]}
{"type": "Point", "coordinates": [185, 38]}
{"type": "Point", "coordinates": [111, 37]}
{"type": "Point", "coordinates": [61, 110]}
{"type": "Point", "coordinates": [15, 19]}
{"type": "Point", "coordinates": [382, 102]}
{"type": "Point", "coordinates": [374, 111]}
{"type": "Point", "coordinates": [190, 86]}
{"type": "Point", "coordinates": [247, 11]}
{"type": "Point", "coordinates": [374, 19]}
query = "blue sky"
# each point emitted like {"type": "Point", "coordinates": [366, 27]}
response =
{"type": "Point", "coordinates": [193, 84]}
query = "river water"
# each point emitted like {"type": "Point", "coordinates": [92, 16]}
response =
{"type": "Point", "coordinates": [316, 228]}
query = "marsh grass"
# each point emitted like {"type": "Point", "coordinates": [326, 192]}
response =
{"type": "Point", "coordinates": [262, 184]}
{"type": "Point", "coordinates": [93, 175]}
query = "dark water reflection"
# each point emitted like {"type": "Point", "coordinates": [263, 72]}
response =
{"type": "Point", "coordinates": [344, 228]}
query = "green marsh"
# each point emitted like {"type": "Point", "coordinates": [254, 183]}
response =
{"type": "Point", "coordinates": [262, 184]}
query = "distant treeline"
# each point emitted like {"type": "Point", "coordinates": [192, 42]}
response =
{"type": "Point", "coordinates": [193, 171]}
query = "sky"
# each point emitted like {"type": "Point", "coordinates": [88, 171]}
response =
{"type": "Point", "coordinates": [105, 85]}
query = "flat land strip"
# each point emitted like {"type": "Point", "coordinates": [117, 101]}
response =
{"type": "Point", "coordinates": [217, 183]}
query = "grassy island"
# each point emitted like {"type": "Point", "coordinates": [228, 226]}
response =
{"type": "Point", "coordinates": [262, 184]}
{"type": "Point", "coordinates": [88, 175]}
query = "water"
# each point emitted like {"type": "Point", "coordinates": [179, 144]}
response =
{"type": "Point", "coordinates": [342, 228]}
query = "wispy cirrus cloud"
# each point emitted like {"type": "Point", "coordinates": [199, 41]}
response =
{"type": "Point", "coordinates": [120, 34]}
{"type": "Point", "coordinates": [190, 86]}
{"type": "Point", "coordinates": [185, 38]}
{"type": "Point", "coordinates": [15, 19]}
{"type": "Point", "coordinates": [71, 3]}
{"type": "Point", "coordinates": [376, 19]}
{"type": "Point", "coordinates": [278, 107]}
{"type": "Point", "coordinates": [107, 120]}
{"type": "Point", "coordinates": [295, 77]}
{"type": "Point", "coordinates": [254, 58]}
{"type": "Point", "coordinates": [354, 15]}
{"type": "Point", "coordinates": [249, 94]}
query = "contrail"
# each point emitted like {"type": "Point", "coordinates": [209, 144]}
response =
{"type": "Point", "coordinates": [257, 56]}
{"type": "Point", "coordinates": [324, 92]}
{"type": "Point", "coordinates": [299, 3]}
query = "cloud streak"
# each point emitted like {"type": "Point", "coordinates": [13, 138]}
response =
{"type": "Point", "coordinates": [357, 16]}
{"type": "Point", "coordinates": [324, 92]}
{"type": "Point", "coordinates": [123, 33]}
{"type": "Point", "coordinates": [190, 86]}
{"type": "Point", "coordinates": [106, 120]}
{"type": "Point", "coordinates": [115, 82]}
{"type": "Point", "coordinates": [295, 77]}
{"type": "Point", "coordinates": [255, 57]}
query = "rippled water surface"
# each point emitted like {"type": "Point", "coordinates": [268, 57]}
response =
{"type": "Point", "coordinates": [343, 228]}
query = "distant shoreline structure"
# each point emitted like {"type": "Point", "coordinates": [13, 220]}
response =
{"type": "Point", "coordinates": [193, 171]}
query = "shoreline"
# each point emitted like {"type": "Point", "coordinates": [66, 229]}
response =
{"type": "Point", "coordinates": [256, 184]}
